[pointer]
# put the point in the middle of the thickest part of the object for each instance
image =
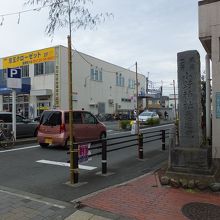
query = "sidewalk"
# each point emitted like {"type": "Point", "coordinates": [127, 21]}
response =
{"type": "Point", "coordinates": [144, 198]}
{"type": "Point", "coordinates": [141, 199]}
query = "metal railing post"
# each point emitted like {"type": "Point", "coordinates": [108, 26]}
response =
{"type": "Point", "coordinates": [140, 146]}
{"type": "Point", "coordinates": [163, 139]}
{"type": "Point", "coordinates": [104, 156]}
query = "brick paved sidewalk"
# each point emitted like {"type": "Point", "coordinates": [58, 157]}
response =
{"type": "Point", "coordinates": [140, 199]}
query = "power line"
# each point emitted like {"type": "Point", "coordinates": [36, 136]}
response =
{"type": "Point", "coordinates": [21, 12]}
{"type": "Point", "coordinates": [24, 11]}
{"type": "Point", "coordinates": [104, 70]}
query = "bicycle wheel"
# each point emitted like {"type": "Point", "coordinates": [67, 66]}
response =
{"type": "Point", "coordinates": [9, 142]}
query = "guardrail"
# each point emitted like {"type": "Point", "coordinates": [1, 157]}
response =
{"type": "Point", "coordinates": [103, 147]}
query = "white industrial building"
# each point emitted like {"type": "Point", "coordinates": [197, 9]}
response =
{"type": "Point", "coordinates": [98, 86]}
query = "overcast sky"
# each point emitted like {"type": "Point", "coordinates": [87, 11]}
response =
{"type": "Point", "coordinates": [150, 32]}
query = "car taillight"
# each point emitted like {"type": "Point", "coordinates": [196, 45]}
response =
{"type": "Point", "coordinates": [62, 128]}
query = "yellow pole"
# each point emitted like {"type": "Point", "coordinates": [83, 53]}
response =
{"type": "Point", "coordinates": [70, 109]}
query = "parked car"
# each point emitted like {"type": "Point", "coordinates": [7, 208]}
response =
{"type": "Point", "coordinates": [146, 115]}
{"type": "Point", "coordinates": [24, 127]}
{"type": "Point", "coordinates": [54, 127]}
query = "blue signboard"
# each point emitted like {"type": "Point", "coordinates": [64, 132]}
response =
{"type": "Point", "coordinates": [14, 78]}
{"type": "Point", "coordinates": [14, 73]}
{"type": "Point", "coordinates": [217, 104]}
{"type": "Point", "coordinates": [26, 84]}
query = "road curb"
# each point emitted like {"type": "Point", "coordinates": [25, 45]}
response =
{"type": "Point", "coordinates": [25, 141]}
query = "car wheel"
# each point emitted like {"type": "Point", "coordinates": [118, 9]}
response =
{"type": "Point", "coordinates": [44, 144]}
{"type": "Point", "coordinates": [102, 135]}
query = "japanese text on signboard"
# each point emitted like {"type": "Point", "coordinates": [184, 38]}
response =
{"type": "Point", "coordinates": [33, 57]}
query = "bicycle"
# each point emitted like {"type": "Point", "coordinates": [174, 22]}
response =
{"type": "Point", "coordinates": [7, 139]}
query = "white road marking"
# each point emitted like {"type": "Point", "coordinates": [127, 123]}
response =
{"type": "Point", "coordinates": [83, 167]}
{"type": "Point", "coordinates": [21, 148]}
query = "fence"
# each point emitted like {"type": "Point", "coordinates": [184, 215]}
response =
{"type": "Point", "coordinates": [103, 147]}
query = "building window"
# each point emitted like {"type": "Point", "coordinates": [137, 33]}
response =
{"type": "Point", "coordinates": [49, 67]}
{"type": "Point", "coordinates": [120, 80]}
{"type": "Point", "coordinates": [125, 100]}
{"type": "Point", "coordinates": [131, 84]}
{"type": "Point", "coordinates": [24, 71]}
{"type": "Point", "coordinates": [100, 75]}
{"type": "Point", "coordinates": [96, 74]}
{"type": "Point", "coordinates": [117, 79]}
{"type": "Point", "coordinates": [91, 73]}
{"type": "Point", "coordinates": [38, 69]}
{"type": "Point", "coordinates": [44, 68]}
{"type": "Point", "coordinates": [22, 104]}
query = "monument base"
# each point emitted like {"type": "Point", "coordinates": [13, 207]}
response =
{"type": "Point", "coordinates": [191, 160]}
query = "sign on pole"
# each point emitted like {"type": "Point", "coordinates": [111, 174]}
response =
{"type": "Point", "coordinates": [14, 78]}
{"type": "Point", "coordinates": [84, 152]}
{"type": "Point", "coordinates": [14, 82]}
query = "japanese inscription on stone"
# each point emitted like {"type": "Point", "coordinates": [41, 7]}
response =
{"type": "Point", "coordinates": [189, 90]}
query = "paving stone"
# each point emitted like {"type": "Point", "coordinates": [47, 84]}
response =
{"type": "Point", "coordinates": [34, 205]}
{"type": "Point", "coordinates": [47, 213]}
{"type": "Point", "coordinates": [80, 215]}
{"type": "Point", "coordinates": [38, 217]}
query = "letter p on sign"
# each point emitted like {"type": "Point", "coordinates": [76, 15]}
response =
{"type": "Point", "coordinates": [14, 73]}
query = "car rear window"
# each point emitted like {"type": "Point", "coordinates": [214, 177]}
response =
{"type": "Point", "coordinates": [52, 118]}
{"type": "Point", "coordinates": [146, 114]}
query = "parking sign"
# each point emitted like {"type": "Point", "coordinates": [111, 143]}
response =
{"type": "Point", "coordinates": [14, 78]}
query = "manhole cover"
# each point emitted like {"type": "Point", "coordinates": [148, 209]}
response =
{"type": "Point", "coordinates": [201, 211]}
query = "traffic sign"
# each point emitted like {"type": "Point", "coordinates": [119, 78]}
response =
{"type": "Point", "coordinates": [14, 78]}
{"type": "Point", "coordinates": [14, 73]}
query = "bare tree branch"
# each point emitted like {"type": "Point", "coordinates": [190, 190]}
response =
{"type": "Point", "coordinates": [81, 17]}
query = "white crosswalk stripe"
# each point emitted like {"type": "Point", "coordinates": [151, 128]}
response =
{"type": "Point", "coordinates": [83, 167]}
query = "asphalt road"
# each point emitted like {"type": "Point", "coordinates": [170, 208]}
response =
{"type": "Point", "coordinates": [22, 168]}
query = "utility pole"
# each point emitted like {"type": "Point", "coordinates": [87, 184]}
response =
{"type": "Point", "coordinates": [161, 93]}
{"type": "Point", "coordinates": [139, 135]}
{"type": "Point", "coordinates": [73, 148]}
{"type": "Point", "coordinates": [174, 99]}
{"type": "Point", "coordinates": [147, 84]}
{"type": "Point", "coordinates": [137, 119]}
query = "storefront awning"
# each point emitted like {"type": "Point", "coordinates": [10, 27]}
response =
{"type": "Point", "coordinates": [41, 92]}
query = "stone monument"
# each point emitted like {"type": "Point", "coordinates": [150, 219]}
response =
{"type": "Point", "coordinates": [191, 155]}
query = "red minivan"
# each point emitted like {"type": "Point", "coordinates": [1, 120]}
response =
{"type": "Point", "coordinates": [54, 127]}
